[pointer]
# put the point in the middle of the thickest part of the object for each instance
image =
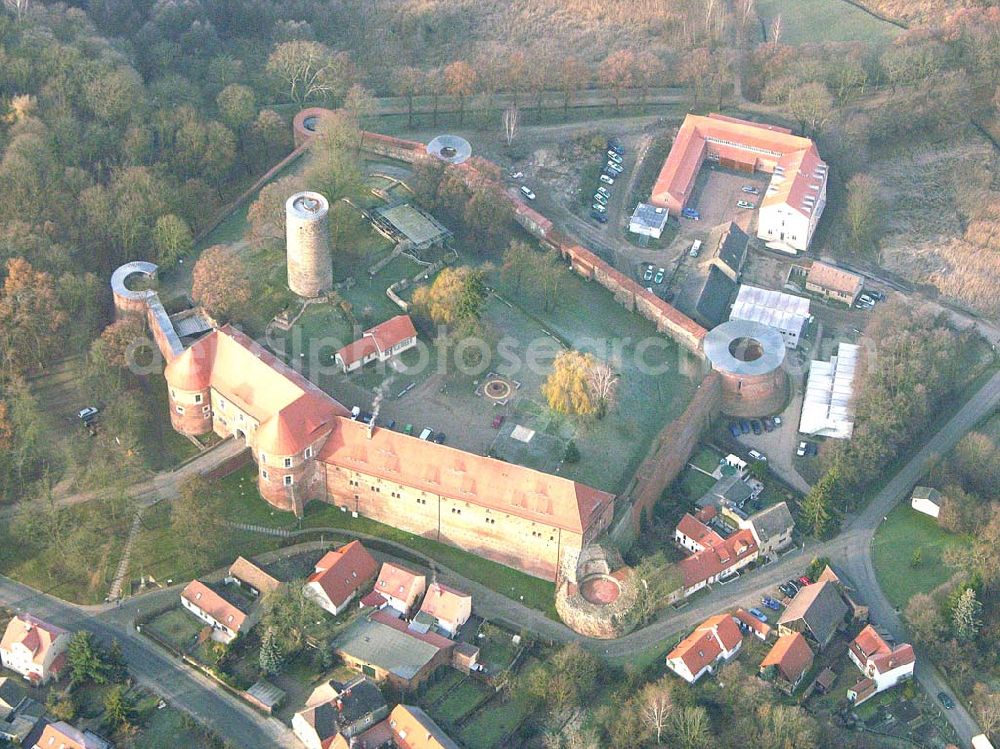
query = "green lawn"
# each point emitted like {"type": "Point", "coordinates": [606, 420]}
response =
{"type": "Point", "coordinates": [706, 458]}
{"type": "Point", "coordinates": [169, 729]}
{"type": "Point", "coordinates": [494, 722]}
{"type": "Point", "coordinates": [814, 21]}
{"type": "Point", "coordinates": [897, 539]}
{"type": "Point", "coordinates": [177, 627]}
{"type": "Point", "coordinates": [462, 700]}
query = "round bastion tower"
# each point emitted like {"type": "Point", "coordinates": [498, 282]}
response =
{"type": "Point", "coordinates": [750, 357]}
{"type": "Point", "coordinates": [310, 266]}
{"type": "Point", "coordinates": [189, 391]}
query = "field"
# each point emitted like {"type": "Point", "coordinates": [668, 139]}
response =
{"type": "Point", "coordinates": [898, 538]}
{"type": "Point", "coordinates": [813, 21]}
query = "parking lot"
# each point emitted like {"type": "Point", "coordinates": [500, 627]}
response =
{"type": "Point", "coordinates": [717, 190]}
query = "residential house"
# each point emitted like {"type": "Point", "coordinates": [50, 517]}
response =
{"type": "Point", "coordinates": [412, 728]}
{"type": "Point", "coordinates": [62, 735]}
{"type": "Point", "coordinates": [883, 666]}
{"type": "Point", "coordinates": [251, 578]}
{"type": "Point", "coordinates": [382, 646]}
{"type": "Point", "coordinates": [226, 619]}
{"type": "Point", "coordinates": [33, 648]}
{"type": "Point", "coordinates": [712, 556]}
{"type": "Point", "coordinates": [787, 662]}
{"type": "Point", "coordinates": [834, 283]}
{"type": "Point", "coordinates": [772, 528]}
{"type": "Point", "coordinates": [817, 612]}
{"type": "Point", "coordinates": [335, 709]}
{"type": "Point", "coordinates": [400, 587]}
{"type": "Point", "coordinates": [444, 607]}
{"type": "Point", "coordinates": [715, 639]}
{"type": "Point", "coordinates": [385, 340]}
{"type": "Point", "coordinates": [18, 713]}
{"type": "Point", "coordinates": [926, 500]}
{"type": "Point", "coordinates": [339, 575]}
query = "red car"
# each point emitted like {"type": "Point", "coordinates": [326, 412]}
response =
{"type": "Point", "coordinates": [498, 421]}
{"type": "Point", "coordinates": [805, 580]}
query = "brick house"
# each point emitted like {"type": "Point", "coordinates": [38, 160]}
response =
{"type": "Point", "coordinates": [33, 648]}
{"type": "Point", "coordinates": [379, 343]}
{"type": "Point", "coordinates": [339, 575]}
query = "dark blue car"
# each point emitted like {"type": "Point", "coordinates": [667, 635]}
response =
{"type": "Point", "coordinates": [734, 429]}
{"type": "Point", "coordinates": [744, 426]}
{"type": "Point", "coordinates": [600, 218]}
{"type": "Point", "coordinates": [770, 603]}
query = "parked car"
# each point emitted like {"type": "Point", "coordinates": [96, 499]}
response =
{"type": "Point", "coordinates": [801, 449]}
{"type": "Point", "coordinates": [788, 590]}
{"type": "Point", "coordinates": [439, 438]}
{"type": "Point", "coordinates": [745, 204]}
{"type": "Point", "coordinates": [947, 702]}
{"type": "Point", "coordinates": [408, 429]}
{"type": "Point", "coordinates": [770, 603]}
{"type": "Point", "coordinates": [607, 179]}
{"type": "Point", "coordinates": [878, 296]}
{"type": "Point", "coordinates": [516, 175]}
{"type": "Point", "coordinates": [757, 613]}
{"type": "Point", "coordinates": [744, 426]}
{"type": "Point", "coordinates": [658, 278]}
{"type": "Point", "coordinates": [734, 429]}
{"type": "Point", "coordinates": [648, 275]}
{"type": "Point", "coordinates": [750, 190]}
{"type": "Point", "coordinates": [812, 449]}
{"type": "Point", "coordinates": [768, 423]}
{"type": "Point", "coordinates": [776, 420]}
{"type": "Point", "coordinates": [866, 299]}
{"type": "Point", "coordinates": [755, 425]}
{"type": "Point", "coordinates": [758, 456]}
{"type": "Point", "coordinates": [614, 157]}
{"type": "Point", "coordinates": [691, 213]}
{"type": "Point", "coordinates": [602, 199]}
{"type": "Point", "coordinates": [427, 433]}
{"type": "Point", "coordinates": [88, 414]}
{"type": "Point", "coordinates": [599, 208]}
{"type": "Point", "coordinates": [616, 145]}
{"type": "Point", "coordinates": [498, 421]}
{"type": "Point", "coordinates": [613, 168]}
{"type": "Point", "coordinates": [390, 424]}
{"type": "Point", "coordinates": [604, 191]}
{"type": "Point", "coordinates": [599, 217]}
{"type": "Point", "coordinates": [526, 191]}
{"type": "Point", "coordinates": [695, 248]}
{"type": "Point", "coordinates": [805, 580]}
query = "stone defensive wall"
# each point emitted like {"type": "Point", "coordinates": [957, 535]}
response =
{"type": "Point", "coordinates": [145, 303]}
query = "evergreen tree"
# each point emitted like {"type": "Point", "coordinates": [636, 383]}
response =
{"type": "Point", "coordinates": [86, 661]}
{"type": "Point", "coordinates": [116, 706]}
{"type": "Point", "coordinates": [965, 619]}
{"type": "Point", "coordinates": [815, 509]}
{"type": "Point", "coordinates": [270, 654]}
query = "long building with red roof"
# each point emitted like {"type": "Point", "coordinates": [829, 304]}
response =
{"type": "Point", "coordinates": [307, 448]}
{"type": "Point", "coordinates": [796, 196]}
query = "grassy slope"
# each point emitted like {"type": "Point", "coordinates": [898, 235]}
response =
{"type": "Point", "coordinates": [804, 21]}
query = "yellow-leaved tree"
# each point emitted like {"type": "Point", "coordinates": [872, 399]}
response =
{"type": "Point", "coordinates": [580, 384]}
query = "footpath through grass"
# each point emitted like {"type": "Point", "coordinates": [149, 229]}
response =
{"type": "Point", "coordinates": [904, 533]}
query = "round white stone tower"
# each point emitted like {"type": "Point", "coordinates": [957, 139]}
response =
{"type": "Point", "coordinates": [310, 265]}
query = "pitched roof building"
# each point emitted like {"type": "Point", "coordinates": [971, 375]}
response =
{"type": "Point", "coordinates": [828, 404]}
{"type": "Point", "coordinates": [400, 587]}
{"type": "Point", "coordinates": [347, 710]}
{"type": "Point", "coordinates": [34, 648]}
{"type": "Point", "coordinates": [716, 639]}
{"type": "Point", "coordinates": [412, 728]}
{"type": "Point", "coordinates": [60, 735]}
{"type": "Point", "coordinates": [794, 199]}
{"type": "Point", "coordinates": [339, 575]}
{"type": "Point", "coordinates": [225, 618]}
{"type": "Point", "coordinates": [380, 342]}
{"type": "Point", "coordinates": [790, 659]}
{"type": "Point", "coordinates": [881, 664]}
{"type": "Point", "coordinates": [751, 624]}
{"type": "Point", "coordinates": [785, 312]}
{"type": "Point", "coordinates": [249, 576]}
{"type": "Point", "coordinates": [446, 608]}
{"type": "Point", "coordinates": [834, 283]}
{"type": "Point", "coordinates": [712, 556]}
{"type": "Point", "coordinates": [817, 612]}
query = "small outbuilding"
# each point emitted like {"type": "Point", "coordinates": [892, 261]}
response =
{"type": "Point", "coordinates": [926, 500]}
{"type": "Point", "coordinates": [648, 220]}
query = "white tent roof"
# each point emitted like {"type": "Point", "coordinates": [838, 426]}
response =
{"type": "Point", "coordinates": [775, 308]}
{"type": "Point", "coordinates": [827, 409]}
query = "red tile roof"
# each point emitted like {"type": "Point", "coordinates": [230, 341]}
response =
{"type": "Point", "coordinates": [698, 532]}
{"type": "Point", "coordinates": [399, 582]}
{"type": "Point", "coordinates": [340, 573]}
{"type": "Point", "coordinates": [217, 607]}
{"type": "Point", "coordinates": [446, 604]}
{"type": "Point", "coordinates": [792, 655]}
{"type": "Point", "coordinates": [443, 470]}
{"type": "Point", "coordinates": [706, 643]}
{"type": "Point", "coordinates": [761, 628]}
{"type": "Point", "coordinates": [381, 337]}
{"type": "Point", "coordinates": [869, 646]}
{"type": "Point", "coordinates": [714, 560]}
{"type": "Point", "coordinates": [390, 620]}
{"type": "Point", "coordinates": [33, 633]}
{"type": "Point", "coordinates": [835, 279]}
{"type": "Point", "coordinates": [412, 728]}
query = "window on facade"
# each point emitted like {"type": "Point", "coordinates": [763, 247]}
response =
{"type": "Point", "coordinates": [180, 410]}
{"type": "Point", "coordinates": [197, 398]}
{"type": "Point", "coordinates": [288, 462]}
{"type": "Point", "coordinates": [263, 458]}
{"type": "Point", "coordinates": [288, 480]}
{"type": "Point", "coordinates": [309, 452]}
{"type": "Point", "coordinates": [263, 472]}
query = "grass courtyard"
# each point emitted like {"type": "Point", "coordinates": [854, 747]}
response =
{"type": "Point", "coordinates": [905, 532]}
{"type": "Point", "coordinates": [805, 21]}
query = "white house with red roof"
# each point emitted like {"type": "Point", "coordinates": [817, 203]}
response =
{"type": "Point", "coordinates": [225, 618]}
{"type": "Point", "coordinates": [883, 666]}
{"type": "Point", "coordinates": [445, 607]}
{"type": "Point", "coordinates": [34, 648]}
{"type": "Point", "coordinates": [712, 557]}
{"type": "Point", "coordinates": [400, 587]}
{"type": "Point", "coordinates": [339, 575]}
{"type": "Point", "coordinates": [385, 340]}
{"type": "Point", "coordinates": [715, 639]}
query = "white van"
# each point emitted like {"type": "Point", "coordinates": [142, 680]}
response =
{"type": "Point", "coordinates": [426, 434]}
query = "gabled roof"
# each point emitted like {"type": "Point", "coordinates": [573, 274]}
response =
{"type": "Point", "coordinates": [386, 642]}
{"type": "Point", "coordinates": [11, 695]}
{"type": "Point", "coordinates": [698, 532]}
{"type": "Point", "coordinates": [32, 633]}
{"type": "Point", "coordinates": [340, 573]}
{"type": "Point", "coordinates": [792, 656]}
{"type": "Point", "coordinates": [292, 411]}
{"type": "Point", "coordinates": [247, 572]}
{"type": "Point", "coordinates": [761, 628]}
{"type": "Point", "coordinates": [443, 470]}
{"type": "Point", "coordinates": [733, 248]}
{"type": "Point", "coordinates": [869, 647]}
{"type": "Point", "coordinates": [772, 521]}
{"type": "Point", "coordinates": [706, 643]}
{"type": "Point", "coordinates": [927, 493]}
{"type": "Point", "coordinates": [444, 603]}
{"type": "Point", "coordinates": [820, 606]}
{"type": "Point", "coordinates": [714, 560]}
{"type": "Point", "coordinates": [412, 728]}
{"type": "Point", "coordinates": [835, 279]}
{"type": "Point", "coordinates": [60, 735]}
{"type": "Point", "coordinates": [379, 338]}
{"type": "Point", "coordinates": [217, 607]}
{"type": "Point", "coordinates": [399, 582]}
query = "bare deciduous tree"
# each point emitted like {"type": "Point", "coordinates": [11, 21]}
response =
{"type": "Point", "coordinates": [602, 381]}
{"type": "Point", "coordinates": [511, 120]}
{"type": "Point", "coordinates": [656, 706]}
{"type": "Point", "coordinates": [776, 29]}
{"type": "Point", "coordinates": [18, 6]}
{"type": "Point", "coordinates": [310, 70]}
{"type": "Point", "coordinates": [987, 706]}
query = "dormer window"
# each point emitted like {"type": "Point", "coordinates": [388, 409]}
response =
{"type": "Point", "coordinates": [309, 452]}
